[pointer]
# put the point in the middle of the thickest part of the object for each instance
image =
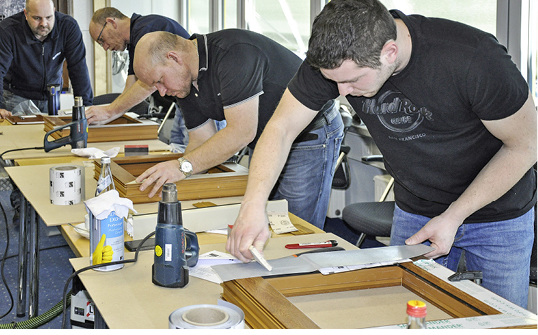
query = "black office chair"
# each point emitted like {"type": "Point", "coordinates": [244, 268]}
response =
{"type": "Point", "coordinates": [371, 218]}
{"type": "Point", "coordinates": [341, 179]}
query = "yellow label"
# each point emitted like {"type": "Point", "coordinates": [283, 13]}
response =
{"type": "Point", "coordinates": [158, 250]}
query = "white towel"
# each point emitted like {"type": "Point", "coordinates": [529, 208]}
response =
{"type": "Point", "coordinates": [102, 205]}
{"type": "Point", "coordinates": [94, 153]}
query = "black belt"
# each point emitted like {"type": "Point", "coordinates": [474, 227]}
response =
{"type": "Point", "coordinates": [320, 121]}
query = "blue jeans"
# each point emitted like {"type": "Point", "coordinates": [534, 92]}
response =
{"type": "Point", "coordinates": [501, 250]}
{"type": "Point", "coordinates": [179, 137]}
{"type": "Point", "coordinates": [306, 179]}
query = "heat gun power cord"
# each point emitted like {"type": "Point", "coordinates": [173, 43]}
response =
{"type": "Point", "coordinates": [20, 149]}
{"type": "Point", "coordinates": [4, 262]}
{"type": "Point", "coordinates": [5, 257]}
{"type": "Point", "coordinates": [76, 273]}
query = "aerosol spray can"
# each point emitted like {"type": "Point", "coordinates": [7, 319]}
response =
{"type": "Point", "coordinates": [106, 235]}
{"type": "Point", "coordinates": [170, 268]}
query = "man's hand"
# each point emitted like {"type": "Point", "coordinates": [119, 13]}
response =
{"type": "Point", "coordinates": [101, 114]}
{"type": "Point", "coordinates": [440, 231]}
{"type": "Point", "coordinates": [165, 172]}
{"type": "Point", "coordinates": [102, 254]}
{"type": "Point", "coordinates": [4, 113]}
{"type": "Point", "coordinates": [250, 228]}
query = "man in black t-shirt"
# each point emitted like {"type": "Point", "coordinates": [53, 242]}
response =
{"type": "Point", "coordinates": [453, 118]}
{"type": "Point", "coordinates": [238, 76]}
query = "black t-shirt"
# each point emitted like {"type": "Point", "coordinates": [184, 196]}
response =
{"type": "Point", "coordinates": [141, 25]}
{"type": "Point", "coordinates": [426, 120]}
{"type": "Point", "coordinates": [235, 66]}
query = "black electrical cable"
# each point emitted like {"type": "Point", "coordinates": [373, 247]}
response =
{"type": "Point", "coordinates": [19, 149]}
{"type": "Point", "coordinates": [40, 250]}
{"type": "Point", "coordinates": [4, 257]}
{"type": "Point", "coordinates": [76, 273]}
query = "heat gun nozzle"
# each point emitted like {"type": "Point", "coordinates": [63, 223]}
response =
{"type": "Point", "coordinates": [169, 193]}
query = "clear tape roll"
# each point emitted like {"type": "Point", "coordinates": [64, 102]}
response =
{"type": "Point", "coordinates": [222, 316]}
{"type": "Point", "coordinates": [66, 185]}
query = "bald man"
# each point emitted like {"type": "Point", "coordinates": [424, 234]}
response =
{"type": "Point", "coordinates": [239, 76]}
{"type": "Point", "coordinates": [33, 46]}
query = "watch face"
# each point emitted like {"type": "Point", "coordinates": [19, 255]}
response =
{"type": "Point", "coordinates": [186, 166]}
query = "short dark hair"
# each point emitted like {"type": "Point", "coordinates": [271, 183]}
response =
{"type": "Point", "coordinates": [101, 14]}
{"type": "Point", "coordinates": [350, 30]}
{"type": "Point", "coordinates": [161, 44]}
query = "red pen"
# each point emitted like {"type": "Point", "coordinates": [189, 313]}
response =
{"type": "Point", "coordinates": [326, 244]}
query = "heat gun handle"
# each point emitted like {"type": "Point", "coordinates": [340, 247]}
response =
{"type": "Point", "coordinates": [192, 249]}
{"type": "Point", "coordinates": [60, 142]}
{"type": "Point", "coordinates": [78, 136]}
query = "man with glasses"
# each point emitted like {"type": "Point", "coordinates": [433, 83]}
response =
{"type": "Point", "coordinates": [33, 46]}
{"type": "Point", "coordinates": [114, 31]}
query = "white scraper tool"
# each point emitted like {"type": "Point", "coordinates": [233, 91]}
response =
{"type": "Point", "coordinates": [259, 258]}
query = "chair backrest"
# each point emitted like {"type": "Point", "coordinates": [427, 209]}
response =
{"type": "Point", "coordinates": [341, 180]}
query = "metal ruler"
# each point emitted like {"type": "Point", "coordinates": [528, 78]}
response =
{"type": "Point", "coordinates": [315, 261]}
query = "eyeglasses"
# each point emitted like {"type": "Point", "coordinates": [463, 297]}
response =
{"type": "Point", "coordinates": [99, 40]}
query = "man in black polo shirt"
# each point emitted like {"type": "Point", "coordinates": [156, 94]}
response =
{"type": "Point", "coordinates": [239, 76]}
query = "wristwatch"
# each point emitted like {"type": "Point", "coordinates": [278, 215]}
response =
{"type": "Point", "coordinates": [185, 167]}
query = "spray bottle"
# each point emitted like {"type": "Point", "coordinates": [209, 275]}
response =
{"type": "Point", "coordinates": [170, 267]}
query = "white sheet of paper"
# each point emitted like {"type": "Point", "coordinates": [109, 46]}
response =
{"type": "Point", "coordinates": [203, 268]}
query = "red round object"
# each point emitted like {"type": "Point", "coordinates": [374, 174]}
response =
{"type": "Point", "coordinates": [416, 308]}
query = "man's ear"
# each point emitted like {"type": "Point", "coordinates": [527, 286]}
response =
{"type": "Point", "coordinates": [390, 52]}
{"type": "Point", "coordinates": [174, 56]}
{"type": "Point", "coordinates": [112, 21]}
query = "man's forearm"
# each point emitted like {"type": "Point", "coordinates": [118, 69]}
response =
{"type": "Point", "coordinates": [130, 98]}
{"type": "Point", "coordinates": [274, 145]}
{"type": "Point", "coordinates": [216, 150]}
{"type": "Point", "coordinates": [266, 165]}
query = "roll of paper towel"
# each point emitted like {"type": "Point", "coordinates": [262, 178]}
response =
{"type": "Point", "coordinates": [66, 185]}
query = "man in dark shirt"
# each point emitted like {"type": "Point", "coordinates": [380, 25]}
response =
{"type": "Point", "coordinates": [453, 118]}
{"type": "Point", "coordinates": [239, 76]}
{"type": "Point", "coordinates": [33, 46]}
{"type": "Point", "coordinates": [114, 31]}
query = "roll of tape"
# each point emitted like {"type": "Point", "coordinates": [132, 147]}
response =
{"type": "Point", "coordinates": [222, 316]}
{"type": "Point", "coordinates": [66, 185]}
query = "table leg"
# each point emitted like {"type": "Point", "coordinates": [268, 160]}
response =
{"type": "Point", "coordinates": [23, 250]}
{"type": "Point", "coordinates": [98, 321]}
{"type": "Point", "coordinates": [33, 274]}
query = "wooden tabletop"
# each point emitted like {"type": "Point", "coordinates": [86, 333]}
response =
{"type": "Point", "coordinates": [33, 181]}
{"type": "Point", "coordinates": [31, 136]}
{"type": "Point", "coordinates": [127, 298]}
{"type": "Point", "coordinates": [81, 245]}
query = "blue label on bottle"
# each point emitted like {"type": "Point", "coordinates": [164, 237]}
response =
{"type": "Point", "coordinates": [109, 231]}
